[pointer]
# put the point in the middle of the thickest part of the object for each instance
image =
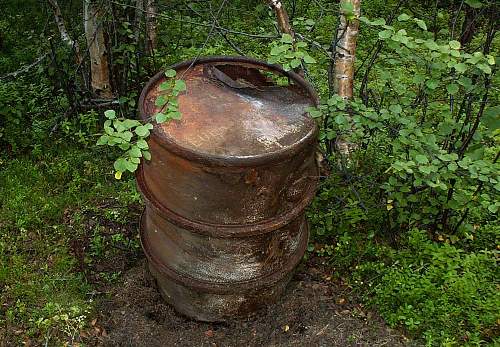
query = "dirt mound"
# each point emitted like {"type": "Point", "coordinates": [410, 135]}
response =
{"type": "Point", "coordinates": [311, 313]}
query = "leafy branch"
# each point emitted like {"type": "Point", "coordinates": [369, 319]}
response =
{"type": "Point", "coordinates": [130, 135]}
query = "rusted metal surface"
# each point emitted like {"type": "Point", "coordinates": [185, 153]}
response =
{"type": "Point", "coordinates": [227, 186]}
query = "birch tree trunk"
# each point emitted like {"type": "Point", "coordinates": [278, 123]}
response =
{"type": "Point", "coordinates": [282, 17]}
{"type": "Point", "coordinates": [63, 32]}
{"type": "Point", "coordinates": [345, 55]}
{"type": "Point", "coordinates": [151, 14]}
{"type": "Point", "coordinates": [99, 69]}
{"type": "Point", "coordinates": [345, 51]}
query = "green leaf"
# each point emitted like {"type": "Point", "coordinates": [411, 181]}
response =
{"type": "Point", "coordinates": [130, 123]}
{"type": "Point", "coordinates": [295, 63]}
{"type": "Point", "coordinates": [460, 67]}
{"type": "Point", "coordinates": [421, 24]}
{"type": "Point", "coordinates": [146, 155]}
{"type": "Point", "coordinates": [161, 117]}
{"type": "Point", "coordinates": [160, 101]}
{"type": "Point", "coordinates": [135, 151]}
{"type": "Point", "coordinates": [310, 22]}
{"type": "Point", "coordinates": [347, 7]}
{"type": "Point", "coordinates": [175, 115]}
{"type": "Point", "coordinates": [466, 82]}
{"type": "Point", "coordinates": [454, 44]}
{"type": "Point", "coordinates": [165, 86]}
{"type": "Point", "coordinates": [118, 175]}
{"type": "Point", "coordinates": [131, 166]}
{"type": "Point", "coordinates": [277, 50]}
{"type": "Point", "coordinates": [385, 34]}
{"type": "Point", "coordinates": [432, 84]}
{"type": "Point", "coordinates": [301, 44]}
{"type": "Point", "coordinates": [180, 85]}
{"type": "Point", "coordinates": [142, 144]}
{"type": "Point", "coordinates": [474, 3]}
{"type": "Point", "coordinates": [484, 68]}
{"type": "Point", "coordinates": [418, 78]}
{"type": "Point", "coordinates": [452, 167]}
{"type": "Point", "coordinates": [366, 20]}
{"type": "Point", "coordinates": [108, 130]}
{"type": "Point", "coordinates": [314, 113]}
{"type": "Point", "coordinates": [424, 169]}
{"type": "Point", "coordinates": [103, 140]}
{"type": "Point", "coordinates": [403, 17]}
{"type": "Point", "coordinates": [490, 119]}
{"type": "Point", "coordinates": [110, 114]}
{"type": "Point", "coordinates": [452, 88]}
{"type": "Point", "coordinates": [421, 159]}
{"type": "Point", "coordinates": [170, 73]}
{"type": "Point", "coordinates": [378, 21]}
{"type": "Point", "coordinates": [124, 146]}
{"type": "Point", "coordinates": [142, 131]}
{"type": "Point", "coordinates": [309, 60]}
{"type": "Point", "coordinates": [120, 164]}
{"type": "Point", "coordinates": [432, 45]}
{"type": "Point", "coordinates": [286, 38]}
{"type": "Point", "coordinates": [396, 109]}
{"type": "Point", "coordinates": [493, 208]}
{"type": "Point", "coordinates": [126, 135]}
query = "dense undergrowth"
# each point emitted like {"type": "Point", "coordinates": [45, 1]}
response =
{"type": "Point", "coordinates": [409, 222]}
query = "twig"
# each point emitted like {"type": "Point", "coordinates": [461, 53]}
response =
{"type": "Point", "coordinates": [24, 68]}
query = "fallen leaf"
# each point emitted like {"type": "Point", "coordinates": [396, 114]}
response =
{"type": "Point", "coordinates": [209, 333]}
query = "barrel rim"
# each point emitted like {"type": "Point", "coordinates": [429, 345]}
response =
{"type": "Point", "coordinates": [256, 283]}
{"type": "Point", "coordinates": [221, 160]}
{"type": "Point", "coordinates": [225, 230]}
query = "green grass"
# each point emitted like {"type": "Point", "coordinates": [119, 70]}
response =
{"type": "Point", "coordinates": [45, 294]}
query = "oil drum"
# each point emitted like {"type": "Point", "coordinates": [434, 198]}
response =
{"type": "Point", "coordinates": [227, 185]}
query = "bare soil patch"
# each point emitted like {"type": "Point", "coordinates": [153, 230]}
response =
{"type": "Point", "coordinates": [314, 312]}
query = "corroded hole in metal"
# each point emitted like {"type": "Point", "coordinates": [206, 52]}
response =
{"type": "Point", "coordinates": [218, 119]}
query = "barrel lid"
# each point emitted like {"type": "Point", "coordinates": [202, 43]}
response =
{"type": "Point", "coordinates": [234, 109]}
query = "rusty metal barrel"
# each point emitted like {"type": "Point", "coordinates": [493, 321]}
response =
{"type": "Point", "coordinates": [227, 185]}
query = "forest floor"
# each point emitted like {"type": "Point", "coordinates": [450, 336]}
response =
{"type": "Point", "coordinates": [313, 312]}
{"type": "Point", "coordinates": [72, 273]}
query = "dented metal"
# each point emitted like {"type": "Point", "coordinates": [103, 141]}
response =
{"type": "Point", "coordinates": [227, 186]}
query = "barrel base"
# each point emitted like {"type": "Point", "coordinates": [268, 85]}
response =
{"type": "Point", "coordinates": [215, 307]}
{"type": "Point", "coordinates": [217, 302]}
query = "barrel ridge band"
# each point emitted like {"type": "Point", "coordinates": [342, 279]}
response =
{"type": "Point", "coordinates": [256, 283]}
{"type": "Point", "coordinates": [224, 230]}
{"type": "Point", "coordinates": [218, 160]}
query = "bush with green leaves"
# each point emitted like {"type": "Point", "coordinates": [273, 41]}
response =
{"type": "Point", "coordinates": [434, 133]}
{"type": "Point", "coordinates": [289, 53]}
{"type": "Point", "coordinates": [426, 129]}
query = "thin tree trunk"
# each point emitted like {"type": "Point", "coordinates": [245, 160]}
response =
{"type": "Point", "coordinates": [62, 30]}
{"type": "Point", "coordinates": [151, 14]}
{"type": "Point", "coordinates": [468, 26]}
{"type": "Point", "coordinates": [139, 20]}
{"type": "Point", "coordinates": [345, 55]}
{"type": "Point", "coordinates": [282, 17]}
{"type": "Point", "coordinates": [345, 52]}
{"type": "Point", "coordinates": [94, 33]}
